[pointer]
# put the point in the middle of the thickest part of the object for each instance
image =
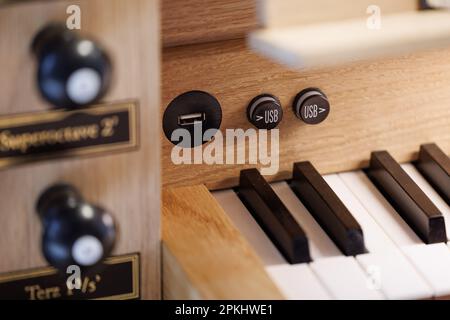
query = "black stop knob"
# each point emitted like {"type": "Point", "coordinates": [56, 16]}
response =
{"type": "Point", "coordinates": [73, 71]}
{"type": "Point", "coordinates": [74, 232]}
{"type": "Point", "coordinates": [312, 106]}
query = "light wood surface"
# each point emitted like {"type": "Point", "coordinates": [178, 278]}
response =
{"type": "Point", "coordinates": [176, 283]}
{"type": "Point", "coordinates": [127, 184]}
{"type": "Point", "coordinates": [348, 41]}
{"type": "Point", "coordinates": [199, 21]}
{"type": "Point", "coordinates": [393, 104]}
{"type": "Point", "coordinates": [205, 256]}
{"type": "Point", "coordinates": [282, 13]}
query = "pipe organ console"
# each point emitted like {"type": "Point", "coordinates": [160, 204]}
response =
{"type": "Point", "coordinates": [357, 206]}
{"type": "Point", "coordinates": [217, 149]}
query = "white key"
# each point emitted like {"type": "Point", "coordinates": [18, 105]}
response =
{"type": "Point", "coordinates": [436, 251]}
{"type": "Point", "coordinates": [380, 209]}
{"type": "Point", "coordinates": [395, 276]}
{"type": "Point", "coordinates": [433, 261]}
{"type": "Point", "coordinates": [375, 238]}
{"type": "Point", "coordinates": [345, 279]}
{"type": "Point", "coordinates": [293, 279]}
{"type": "Point", "coordinates": [249, 228]}
{"type": "Point", "coordinates": [423, 184]}
{"type": "Point", "coordinates": [323, 252]}
{"type": "Point", "coordinates": [384, 264]}
{"type": "Point", "coordinates": [320, 245]}
{"type": "Point", "coordinates": [298, 282]}
{"type": "Point", "coordinates": [428, 260]}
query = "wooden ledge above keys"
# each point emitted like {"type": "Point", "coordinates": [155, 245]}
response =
{"type": "Point", "coordinates": [349, 41]}
{"type": "Point", "coordinates": [285, 13]}
{"type": "Point", "coordinates": [434, 165]}
{"type": "Point", "coordinates": [407, 198]}
{"type": "Point", "coordinates": [204, 255]}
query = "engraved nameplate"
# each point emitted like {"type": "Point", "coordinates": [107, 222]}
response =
{"type": "Point", "coordinates": [118, 280]}
{"type": "Point", "coordinates": [54, 134]}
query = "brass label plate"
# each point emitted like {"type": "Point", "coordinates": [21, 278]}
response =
{"type": "Point", "coordinates": [54, 134]}
{"type": "Point", "coordinates": [118, 280]}
{"type": "Point", "coordinates": [5, 2]}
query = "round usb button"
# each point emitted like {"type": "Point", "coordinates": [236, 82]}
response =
{"type": "Point", "coordinates": [265, 112]}
{"type": "Point", "coordinates": [311, 106]}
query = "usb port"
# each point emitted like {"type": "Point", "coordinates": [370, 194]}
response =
{"type": "Point", "coordinates": [190, 119]}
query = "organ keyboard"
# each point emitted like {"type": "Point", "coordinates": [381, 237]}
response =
{"type": "Point", "coordinates": [397, 263]}
{"type": "Point", "coordinates": [336, 219]}
{"type": "Point", "coordinates": [283, 82]}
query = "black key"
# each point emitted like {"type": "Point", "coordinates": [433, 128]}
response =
{"type": "Point", "coordinates": [434, 165]}
{"type": "Point", "coordinates": [327, 209]}
{"type": "Point", "coordinates": [407, 198]}
{"type": "Point", "coordinates": [273, 216]}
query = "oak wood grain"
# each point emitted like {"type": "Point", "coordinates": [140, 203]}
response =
{"type": "Point", "coordinates": [128, 184]}
{"type": "Point", "coordinates": [392, 104]}
{"type": "Point", "coordinates": [199, 21]}
{"type": "Point", "coordinates": [205, 256]}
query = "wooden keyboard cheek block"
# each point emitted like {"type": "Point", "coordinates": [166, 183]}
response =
{"type": "Point", "coordinates": [204, 255]}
